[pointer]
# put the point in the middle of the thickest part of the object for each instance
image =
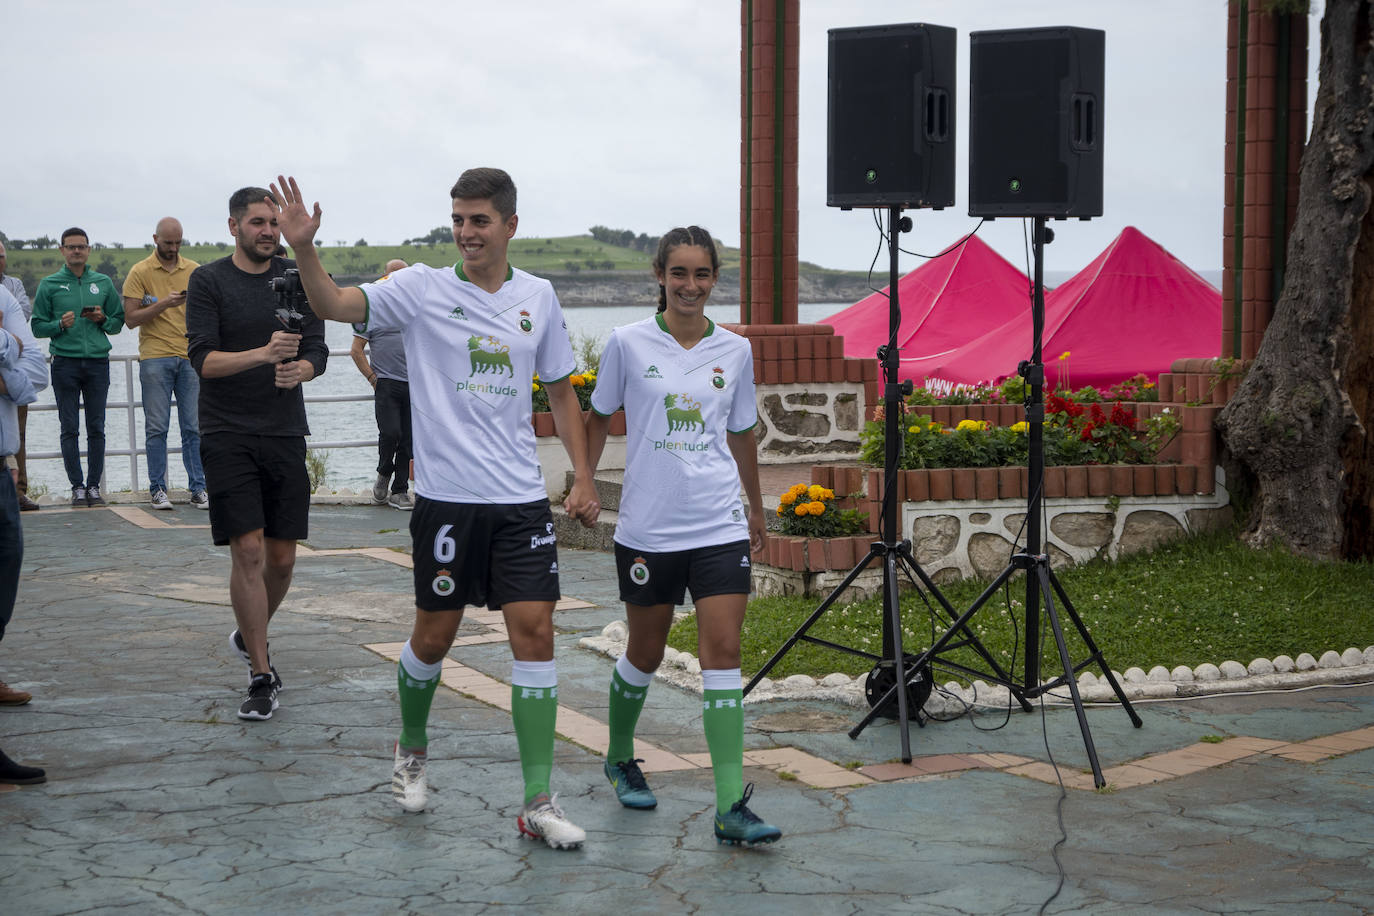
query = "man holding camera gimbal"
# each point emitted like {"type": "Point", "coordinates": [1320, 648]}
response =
{"type": "Point", "coordinates": [253, 342]}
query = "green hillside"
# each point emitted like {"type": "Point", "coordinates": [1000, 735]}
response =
{"type": "Point", "coordinates": [548, 257]}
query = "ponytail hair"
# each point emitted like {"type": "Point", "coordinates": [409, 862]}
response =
{"type": "Point", "coordinates": [674, 238]}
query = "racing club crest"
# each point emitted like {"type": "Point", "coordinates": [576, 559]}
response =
{"type": "Point", "coordinates": [443, 583]}
{"type": "Point", "coordinates": [639, 571]}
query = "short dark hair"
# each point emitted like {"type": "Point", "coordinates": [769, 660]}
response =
{"type": "Point", "coordinates": [243, 198]}
{"type": "Point", "coordinates": [676, 238]}
{"type": "Point", "coordinates": [487, 184]}
{"type": "Point", "coordinates": [75, 230]}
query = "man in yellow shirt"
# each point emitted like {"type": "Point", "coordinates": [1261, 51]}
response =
{"type": "Point", "coordinates": [155, 303]}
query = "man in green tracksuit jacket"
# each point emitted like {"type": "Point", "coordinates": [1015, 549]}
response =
{"type": "Point", "coordinates": [79, 309]}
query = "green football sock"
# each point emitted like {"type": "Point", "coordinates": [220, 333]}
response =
{"type": "Point", "coordinates": [534, 710]}
{"type": "Point", "coordinates": [416, 696]}
{"type": "Point", "coordinates": [722, 716]}
{"type": "Point", "coordinates": [627, 701]}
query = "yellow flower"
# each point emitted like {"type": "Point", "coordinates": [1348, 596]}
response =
{"type": "Point", "coordinates": [787, 498]}
{"type": "Point", "coordinates": [802, 509]}
{"type": "Point", "coordinates": [817, 508]}
{"type": "Point", "coordinates": [970, 424]}
{"type": "Point", "coordinates": [1064, 355]}
{"type": "Point", "coordinates": [537, 386]}
{"type": "Point", "coordinates": [1020, 427]}
{"type": "Point", "coordinates": [1149, 385]}
{"type": "Point", "coordinates": [780, 510]}
{"type": "Point", "coordinates": [817, 492]}
{"type": "Point", "coordinates": [913, 429]}
{"type": "Point", "coordinates": [577, 380]}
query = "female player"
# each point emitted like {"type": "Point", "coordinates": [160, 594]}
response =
{"type": "Point", "coordinates": [687, 386]}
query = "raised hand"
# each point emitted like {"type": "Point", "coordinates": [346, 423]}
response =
{"type": "Point", "coordinates": [298, 224]}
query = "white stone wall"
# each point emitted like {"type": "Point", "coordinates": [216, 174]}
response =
{"type": "Point", "coordinates": [819, 421]}
{"type": "Point", "coordinates": [960, 538]}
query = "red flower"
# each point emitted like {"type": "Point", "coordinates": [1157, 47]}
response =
{"type": "Point", "coordinates": [1123, 417]}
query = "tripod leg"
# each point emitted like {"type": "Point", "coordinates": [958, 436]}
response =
{"type": "Point", "coordinates": [960, 625]}
{"type": "Point", "coordinates": [1043, 573]}
{"type": "Point", "coordinates": [796, 637]}
{"type": "Point", "coordinates": [893, 610]}
{"type": "Point", "coordinates": [893, 619]}
{"type": "Point", "coordinates": [1096, 653]}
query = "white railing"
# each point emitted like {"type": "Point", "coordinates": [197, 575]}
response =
{"type": "Point", "coordinates": [130, 405]}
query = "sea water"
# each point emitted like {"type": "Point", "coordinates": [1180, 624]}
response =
{"type": "Point", "coordinates": [353, 468]}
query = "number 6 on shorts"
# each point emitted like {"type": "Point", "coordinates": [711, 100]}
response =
{"type": "Point", "coordinates": [445, 549]}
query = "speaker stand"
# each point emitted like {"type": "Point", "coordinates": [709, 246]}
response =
{"type": "Point", "coordinates": [893, 666]}
{"type": "Point", "coordinates": [1041, 583]}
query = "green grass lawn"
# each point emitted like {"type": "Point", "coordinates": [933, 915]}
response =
{"type": "Point", "coordinates": [1204, 598]}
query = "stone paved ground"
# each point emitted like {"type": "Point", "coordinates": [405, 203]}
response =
{"type": "Point", "coordinates": [161, 801]}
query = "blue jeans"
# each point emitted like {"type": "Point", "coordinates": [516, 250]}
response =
{"type": "Point", "coordinates": [76, 380]}
{"type": "Point", "coordinates": [11, 547]}
{"type": "Point", "coordinates": [159, 378]}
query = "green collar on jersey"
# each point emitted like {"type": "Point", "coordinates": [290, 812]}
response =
{"type": "Point", "coordinates": [458, 268]}
{"type": "Point", "coordinates": [710, 326]}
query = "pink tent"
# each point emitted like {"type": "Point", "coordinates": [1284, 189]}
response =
{"type": "Point", "coordinates": [1135, 309]}
{"type": "Point", "coordinates": [945, 303]}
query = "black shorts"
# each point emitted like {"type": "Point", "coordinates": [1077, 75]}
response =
{"type": "Point", "coordinates": [482, 553]}
{"type": "Point", "coordinates": [256, 482]}
{"type": "Point", "coordinates": [647, 579]}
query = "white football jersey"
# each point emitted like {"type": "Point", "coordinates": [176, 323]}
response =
{"type": "Point", "coordinates": [471, 357]}
{"type": "Point", "coordinates": [682, 488]}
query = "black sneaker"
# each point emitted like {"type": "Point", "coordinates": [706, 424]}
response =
{"type": "Point", "coordinates": [261, 699]}
{"type": "Point", "coordinates": [236, 643]}
{"type": "Point", "coordinates": [93, 497]}
{"type": "Point", "coordinates": [16, 774]}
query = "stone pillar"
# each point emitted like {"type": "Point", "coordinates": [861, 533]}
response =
{"type": "Point", "coordinates": [1266, 121]}
{"type": "Point", "coordinates": [769, 77]}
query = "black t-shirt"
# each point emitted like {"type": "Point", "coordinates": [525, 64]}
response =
{"type": "Point", "coordinates": [230, 310]}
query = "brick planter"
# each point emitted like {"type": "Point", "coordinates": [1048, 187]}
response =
{"type": "Point", "coordinates": [799, 554]}
{"type": "Point", "coordinates": [544, 425]}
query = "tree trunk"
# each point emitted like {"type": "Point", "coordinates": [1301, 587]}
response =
{"type": "Point", "coordinates": [1301, 420]}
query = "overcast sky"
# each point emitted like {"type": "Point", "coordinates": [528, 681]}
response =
{"type": "Point", "coordinates": [618, 112]}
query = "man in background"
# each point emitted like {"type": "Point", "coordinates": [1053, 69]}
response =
{"type": "Point", "coordinates": [79, 309]}
{"type": "Point", "coordinates": [155, 303]}
{"type": "Point", "coordinates": [15, 286]}
{"type": "Point", "coordinates": [253, 346]}
{"type": "Point", "coordinates": [23, 372]}
{"type": "Point", "coordinates": [384, 367]}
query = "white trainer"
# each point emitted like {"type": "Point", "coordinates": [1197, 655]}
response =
{"type": "Point", "coordinates": [160, 501]}
{"type": "Point", "coordinates": [408, 784]}
{"type": "Point", "coordinates": [542, 819]}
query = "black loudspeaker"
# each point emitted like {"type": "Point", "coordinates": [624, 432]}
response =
{"type": "Point", "coordinates": [890, 126]}
{"type": "Point", "coordinates": [1035, 122]}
